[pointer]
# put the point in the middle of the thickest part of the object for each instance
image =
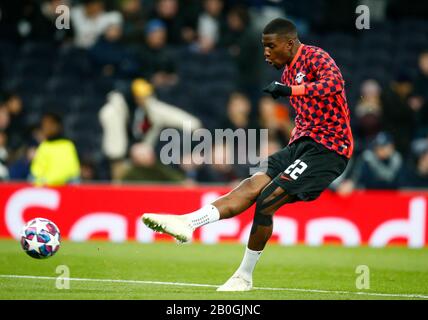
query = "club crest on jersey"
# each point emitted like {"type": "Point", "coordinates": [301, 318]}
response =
{"type": "Point", "coordinates": [299, 77]}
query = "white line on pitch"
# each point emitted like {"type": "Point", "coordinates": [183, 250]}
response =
{"type": "Point", "coordinates": [184, 284]}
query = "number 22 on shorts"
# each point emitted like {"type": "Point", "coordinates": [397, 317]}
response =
{"type": "Point", "coordinates": [296, 169]}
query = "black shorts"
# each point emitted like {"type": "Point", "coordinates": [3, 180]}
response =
{"type": "Point", "coordinates": [304, 168]}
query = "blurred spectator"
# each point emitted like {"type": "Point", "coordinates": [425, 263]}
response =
{"type": "Point", "coordinates": [87, 170]}
{"type": "Point", "coordinates": [416, 176]}
{"type": "Point", "coordinates": [221, 170]}
{"type": "Point", "coordinates": [397, 117]}
{"type": "Point", "coordinates": [111, 56]}
{"type": "Point", "coordinates": [268, 148]}
{"type": "Point", "coordinates": [134, 20]}
{"type": "Point", "coordinates": [215, 167]}
{"type": "Point", "coordinates": [4, 118]}
{"type": "Point", "coordinates": [272, 147]}
{"type": "Point", "coordinates": [368, 111]}
{"type": "Point", "coordinates": [400, 108]}
{"type": "Point", "coordinates": [167, 11]}
{"type": "Point", "coordinates": [19, 168]}
{"type": "Point", "coordinates": [238, 112]}
{"type": "Point", "coordinates": [145, 166]}
{"type": "Point", "coordinates": [4, 173]}
{"type": "Point", "coordinates": [238, 117]}
{"type": "Point", "coordinates": [114, 119]}
{"type": "Point", "coordinates": [56, 161]}
{"type": "Point", "coordinates": [89, 21]}
{"type": "Point", "coordinates": [49, 9]}
{"type": "Point", "coordinates": [114, 116]}
{"type": "Point", "coordinates": [189, 21]}
{"type": "Point", "coordinates": [243, 44]}
{"type": "Point", "coordinates": [419, 100]}
{"type": "Point", "coordinates": [152, 115]}
{"type": "Point", "coordinates": [190, 168]}
{"type": "Point", "coordinates": [377, 168]}
{"type": "Point", "coordinates": [157, 63]}
{"type": "Point", "coordinates": [276, 118]}
{"type": "Point", "coordinates": [210, 25]}
{"type": "Point", "coordinates": [33, 20]}
{"type": "Point", "coordinates": [12, 102]}
{"type": "Point", "coordinates": [421, 82]}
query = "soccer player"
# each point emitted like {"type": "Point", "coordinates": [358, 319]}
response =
{"type": "Point", "coordinates": [318, 152]}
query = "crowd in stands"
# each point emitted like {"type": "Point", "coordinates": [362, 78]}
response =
{"type": "Point", "coordinates": [123, 70]}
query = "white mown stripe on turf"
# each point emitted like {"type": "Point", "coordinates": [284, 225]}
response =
{"type": "Point", "coordinates": [183, 284]}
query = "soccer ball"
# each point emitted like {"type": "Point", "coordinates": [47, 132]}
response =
{"type": "Point", "coordinates": [40, 238]}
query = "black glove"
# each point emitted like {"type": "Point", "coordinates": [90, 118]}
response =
{"type": "Point", "coordinates": [277, 89]}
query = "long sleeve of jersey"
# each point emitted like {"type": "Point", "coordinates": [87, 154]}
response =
{"type": "Point", "coordinates": [329, 80]}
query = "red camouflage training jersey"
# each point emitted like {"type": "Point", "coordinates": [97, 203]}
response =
{"type": "Point", "coordinates": [320, 103]}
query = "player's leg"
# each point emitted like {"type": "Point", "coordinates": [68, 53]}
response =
{"type": "Point", "coordinates": [238, 200]}
{"type": "Point", "coordinates": [242, 197]}
{"type": "Point", "coordinates": [306, 176]}
{"type": "Point", "coordinates": [268, 202]}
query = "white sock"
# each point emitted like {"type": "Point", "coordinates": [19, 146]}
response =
{"type": "Point", "coordinates": [248, 263]}
{"type": "Point", "coordinates": [203, 216]}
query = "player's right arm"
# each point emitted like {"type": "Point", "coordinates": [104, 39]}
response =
{"type": "Point", "coordinates": [329, 80]}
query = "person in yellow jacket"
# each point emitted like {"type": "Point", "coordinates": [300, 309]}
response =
{"type": "Point", "coordinates": [56, 161]}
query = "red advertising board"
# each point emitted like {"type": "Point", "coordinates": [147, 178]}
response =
{"type": "Point", "coordinates": [82, 212]}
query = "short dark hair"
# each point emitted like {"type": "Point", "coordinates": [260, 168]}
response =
{"type": "Point", "coordinates": [7, 95]}
{"type": "Point", "coordinates": [424, 52]}
{"type": "Point", "coordinates": [55, 117]}
{"type": "Point", "coordinates": [242, 13]}
{"type": "Point", "coordinates": [281, 26]}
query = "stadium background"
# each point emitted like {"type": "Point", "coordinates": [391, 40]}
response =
{"type": "Point", "coordinates": [205, 57]}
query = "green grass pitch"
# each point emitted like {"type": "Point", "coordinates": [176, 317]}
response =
{"type": "Point", "coordinates": [300, 272]}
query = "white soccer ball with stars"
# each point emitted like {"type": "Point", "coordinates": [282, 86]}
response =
{"type": "Point", "coordinates": [40, 238]}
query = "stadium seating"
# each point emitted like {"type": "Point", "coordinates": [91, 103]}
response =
{"type": "Point", "coordinates": [63, 78]}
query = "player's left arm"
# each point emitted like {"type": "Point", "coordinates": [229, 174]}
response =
{"type": "Point", "coordinates": [329, 80]}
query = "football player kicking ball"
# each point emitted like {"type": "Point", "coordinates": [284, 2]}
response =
{"type": "Point", "coordinates": [318, 152]}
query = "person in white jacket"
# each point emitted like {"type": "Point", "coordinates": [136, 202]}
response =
{"type": "Point", "coordinates": [90, 20]}
{"type": "Point", "coordinates": [114, 118]}
{"type": "Point", "coordinates": [153, 115]}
